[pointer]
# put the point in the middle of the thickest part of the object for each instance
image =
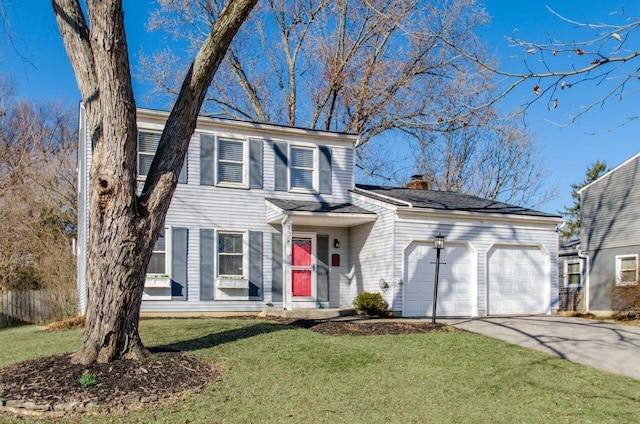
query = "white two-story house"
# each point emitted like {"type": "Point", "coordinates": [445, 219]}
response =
{"type": "Point", "coordinates": [270, 216]}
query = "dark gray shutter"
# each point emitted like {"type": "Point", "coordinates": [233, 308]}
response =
{"type": "Point", "coordinates": [182, 178]}
{"type": "Point", "coordinates": [207, 252]}
{"type": "Point", "coordinates": [280, 153]}
{"type": "Point", "coordinates": [276, 267]}
{"type": "Point", "coordinates": [179, 240]}
{"type": "Point", "coordinates": [255, 265]}
{"type": "Point", "coordinates": [255, 164]}
{"type": "Point", "coordinates": [322, 252]}
{"type": "Point", "coordinates": [325, 170]}
{"type": "Point", "coordinates": [206, 159]}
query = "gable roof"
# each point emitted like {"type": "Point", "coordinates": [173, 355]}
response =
{"type": "Point", "coordinates": [611, 171]}
{"type": "Point", "coordinates": [444, 201]}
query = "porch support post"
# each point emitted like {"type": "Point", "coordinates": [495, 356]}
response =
{"type": "Point", "coordinates": [286, 262]}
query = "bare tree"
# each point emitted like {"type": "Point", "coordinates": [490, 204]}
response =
{"type": "Point", "coordinates": [379, 69]}
{"type": "Point", "coordinates": [606, 60]}
{"type": "Point", "coordinates": [37, 198]}
{"type": "Point", "coordinates": [124, 226]}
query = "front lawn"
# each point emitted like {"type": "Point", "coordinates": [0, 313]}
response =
{"type": "Point", "coordinates": [276, 373]}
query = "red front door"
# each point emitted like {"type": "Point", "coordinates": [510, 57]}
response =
{"type": "Point", "coordinates": [302, 267]}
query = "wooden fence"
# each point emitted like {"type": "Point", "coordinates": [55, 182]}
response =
{"type": "Point", "coordinates": [19, 307]}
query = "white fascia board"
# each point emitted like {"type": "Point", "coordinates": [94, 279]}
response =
{"type": "Point", "coordinates": [204, 122]}
{"type": "Point", "coordinates": [606, 175]}
{"type": "Point", "coordinates": [476, 216]}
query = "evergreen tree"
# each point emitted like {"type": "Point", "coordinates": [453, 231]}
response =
{"type": "Point", "coordinates": [571, 230]}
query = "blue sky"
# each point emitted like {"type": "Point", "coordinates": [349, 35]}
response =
{"type": "Point", "coordinates": [40, 67]}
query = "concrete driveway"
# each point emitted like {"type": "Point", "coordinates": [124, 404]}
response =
{"type": "Point", "coordinates": [611, 347]}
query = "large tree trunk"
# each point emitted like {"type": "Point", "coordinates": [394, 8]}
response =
{"type": "Point", "coordinates": [123, 227]}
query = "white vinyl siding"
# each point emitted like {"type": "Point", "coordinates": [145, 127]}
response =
{"type": "Point", "coordinates": [232, 162]}
{"type": "Point", "coordinates": [302, 168]}
{"type": "Point", "coordinates": [626, 270]}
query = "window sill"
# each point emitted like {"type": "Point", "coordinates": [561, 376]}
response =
{"type": "Point", "coordinates": [157, 282]}
{"type": "Point", "coordinates": [232, 185]}
{"type": "Point", "coordinates": [232, 283]}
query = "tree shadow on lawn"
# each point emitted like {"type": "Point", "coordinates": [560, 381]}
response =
{"type": "Point", "coordinates": [217, 339]}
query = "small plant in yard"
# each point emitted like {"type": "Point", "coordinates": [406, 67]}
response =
{"type": "Point", "coordinates": [371, 304]}
{"type": "Point", "coordinates": [87, 380]}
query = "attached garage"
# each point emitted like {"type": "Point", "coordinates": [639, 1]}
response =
{"type": "Point", "coordinates": [454, 286]}
{"type": "Point", "coordinates": [517, 282]}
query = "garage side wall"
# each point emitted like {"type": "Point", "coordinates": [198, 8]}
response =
{"type": "Point", "coordinates": [481, 235]}
{"type": "Point", "coordinates": [372, 253]}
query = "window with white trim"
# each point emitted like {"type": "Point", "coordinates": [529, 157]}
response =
{"type": "Point", "coordinates": [231, 254]}
{"type": "Point", "coordinates": [147, 146]}
{"type": "Point", "coordinates": [231, 162]}
{"type": "Point", "coordinates": [573, 273]}
{"type": "Point", "coordinates": [626, 270]}
{"type": "Point", "coordinates": [158, 263]}
{"type": "Point", "coordinates": [302, 168]}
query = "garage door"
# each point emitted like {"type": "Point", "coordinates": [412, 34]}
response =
{"type": "Point", "coordinates": [454, 286]}
{"type": "Point", "coordinates": [516, 281]}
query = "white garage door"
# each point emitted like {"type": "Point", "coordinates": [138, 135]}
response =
{"type": "Point", "coordinates": [516, 281]}
{"type": "Point", "coordinates": [454, 283]}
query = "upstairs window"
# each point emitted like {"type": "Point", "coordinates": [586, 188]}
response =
{"type": "Point", "coordinates": [302, 173]}
{"type": "Point", "coordinates": [626, 270]}
{"type": "Point", "coordinates": [147, 146]}
{"type": "Point", "coordinates": [231, 162]}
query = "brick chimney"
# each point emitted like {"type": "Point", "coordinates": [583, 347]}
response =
{"type": "Point", "coordinates": [418, 183]}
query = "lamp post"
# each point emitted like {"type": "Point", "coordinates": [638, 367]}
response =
{"type": "Point", "coordinates": [439, 245]}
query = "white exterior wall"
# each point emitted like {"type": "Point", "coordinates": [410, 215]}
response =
{"type": "Point", "coordinates": [378, 249]}
{"type": "Point", "coordinates": [481, 235]}
{"type": "Point", "coordinates": [372, 253]}
{"type": "Point", "coordinates": [83, 167]}
{"type": "Point", "coordinates": [196, 207]}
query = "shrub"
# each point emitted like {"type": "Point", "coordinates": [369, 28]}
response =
{"type": "Point", "coordinates": [625, 300]}
{"type": "Point", "coordinates": [371, 304]}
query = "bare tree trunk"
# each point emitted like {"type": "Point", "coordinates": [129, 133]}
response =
{"type": "Point", "coordinates": [122, 226]}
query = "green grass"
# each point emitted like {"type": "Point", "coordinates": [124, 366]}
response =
{"type": "Point", "coordinates": [280, 374]}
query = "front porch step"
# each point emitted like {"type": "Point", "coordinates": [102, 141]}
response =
{"type": "Point", "coordinates": [327, 313]}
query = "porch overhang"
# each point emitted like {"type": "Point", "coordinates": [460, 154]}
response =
{"type": "Point", "coordinates": [318, 214]}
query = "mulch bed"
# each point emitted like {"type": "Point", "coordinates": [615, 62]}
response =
{"type": "Point", "coordinates": [122, 384]}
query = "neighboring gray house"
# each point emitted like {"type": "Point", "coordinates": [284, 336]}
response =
{"type": "Point", "coordinates": [270, 216]}
{"type": "Point", "coordinates": [571, 277]}
{"type": "Point", "coordinates": [610, 233]}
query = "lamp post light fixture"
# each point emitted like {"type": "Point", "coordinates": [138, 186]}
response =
{"type": "Point", "coordinates": [438, 244]}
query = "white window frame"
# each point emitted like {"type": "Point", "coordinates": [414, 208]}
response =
{"type": "Point", "coordinates": [245, 163]}
{"type": "Point", "coordinates": [566, 272]}
{"type": "Point", "coordinates": [245, 256]}
{"type": "Point", "coordinates": [619, 270]}
{"type": "Point", "coordinates": [139, 153]}
{"type": "Point", "coordinates": [316, 168]}
{"type": "Point", "coordinates": [167, 255]}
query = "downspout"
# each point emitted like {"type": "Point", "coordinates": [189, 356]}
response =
{"type": "Point", "coordinates": [586, 279]}
{"type": "Point", "coordinates": [285, 258]}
